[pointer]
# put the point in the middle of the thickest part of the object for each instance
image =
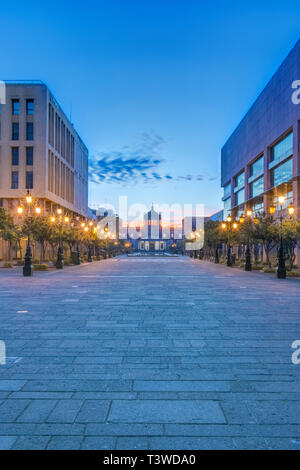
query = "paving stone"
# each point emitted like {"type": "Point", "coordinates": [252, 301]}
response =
{"type": "Point", "coordinates": [11, 409]}
{"type": "Point", "coordinates": [30, 443]}
{"type": "Point", "coordinates": [183, 385]}
{"type": "Point", "coordinates": [120, 429]}
{"type": "Point", "coordinates": [250, 443]}
{"type": "Point", "coordinates": [98, 443]}
{"type": "Point", "coordinates": [17, 429]}
{"type": "Point", "coordinates": [283, 443]}
{"type": "Point", "coordinates": [65, 411]}
{"type": "Point", "coordinates": [132, 443]}
{"type": "Point", "coordinates": [11, 385]}
{"type": "Point", "coordinates": [37, 411]}
{"type": "Point", "coordinates": [6, 442]}
{"type": "Point", "coordinates": [191, 443]}
{"type": "Point", "coordinates": [93, 411]}
{"type": "Point", "coordinates": [65, 443]}
{"type": "Point", "coordinates": [59, 429]}
{"type": "Point", "coordinates": [164, 411]}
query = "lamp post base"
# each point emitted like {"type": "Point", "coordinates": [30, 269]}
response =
{"type": "Point", "coordinates": [281, 273]}
{"type": "Point", "coordinates": [60, 258]}
{"type": "Point", "coordinates": [217, 256]}
{"type": "Point", "coordinates": [228, 258]}
{"type": "Point", "coordinates": [281, 270]}
{"type": "Point", "coordinates": [28, 268]}
{"type": "Point", "coordinates": [248, 265]}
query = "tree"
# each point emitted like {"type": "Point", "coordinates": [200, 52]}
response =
{"type": "Point", "coordinates": [247, 231]}
{"type": "Point", "coordinates": [266, 232]}
{"type": "Point", "coordinates": [41, 231]}
{"type": "Point", "coordinates": [8, 230]}
{"type": "Point", "coordinates": [70, 236]}
{"type": "Point", "coordinates": [213, 236]}
{"type": "Point", "coordinates": [291, 236]}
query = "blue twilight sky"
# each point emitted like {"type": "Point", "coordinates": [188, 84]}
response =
{"type": "Point", "coordinates": [154, 87]}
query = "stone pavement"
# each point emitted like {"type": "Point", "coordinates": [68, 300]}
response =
{"type": "Point", "coordinates": [149, 354]}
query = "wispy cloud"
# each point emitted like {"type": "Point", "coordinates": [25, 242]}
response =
{"type": "Point", "coordinates": [131, 165]}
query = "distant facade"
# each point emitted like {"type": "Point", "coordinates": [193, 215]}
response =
{"type": "Point", "coordinates": [261, 159]}
{"type": "Point", "coordinates": [40, 151]}
{"type": "Point", "coordinates": [153, 237]}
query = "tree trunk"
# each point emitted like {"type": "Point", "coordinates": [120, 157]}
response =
{"type": "Point", "coordinates": [267, 251]}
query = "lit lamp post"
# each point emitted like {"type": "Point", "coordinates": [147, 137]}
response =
{"type": "Point", "coordinates": [90, 254]}
{"type": "Point", "coordinates": [60, 252]}
{"type": "Point", "coordinates": [107, 234]}
{"type": "Point", "coordinates": [127, 245]}
{"type": "Point", "coordinates": [229, 226]}
{"type": "Point", "coordinates": [86, 229]}
{"type": "Point", "coordinates": [28, 268]}
{"type": "Point", "coordinates": [281, 269]}
{"type": "Point", "coordinates": [248, 265]}
{"type": "Point", "coordinates": [77, 251]}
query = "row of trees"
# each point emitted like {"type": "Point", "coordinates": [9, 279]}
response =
{"type": "Point", "coordinates": [47, 236]}
{"type": "Point", "coordinates": [264, 231]}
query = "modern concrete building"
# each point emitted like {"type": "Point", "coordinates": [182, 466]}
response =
{"type": "Point", "coordinates": [261, 159]}
{"type": "Point", "coordinates": [40, 151]}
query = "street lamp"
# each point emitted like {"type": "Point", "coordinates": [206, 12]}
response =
{"type": "Point", "coordinates": [28, 268]}
{"type": "Point", "coordinates": [86, 229]}
{"type": "Point", "coordinates": [60, 252]}
{"type": "Point", "coordinates": [291, 209]}
{"type": "Point", "coordinates": [229, 225]}
{"type": "Point", "coordinates": [281, 269]}
{"type": "Point", "coordinates": [89, 258]}
{"type": "Point", "coordinates": [77, 252]}
{"type": "Point", "coordinates": [248, 265]}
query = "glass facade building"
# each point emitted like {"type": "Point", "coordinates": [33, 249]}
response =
{"type": "Point", "coordinates": [261, 158]}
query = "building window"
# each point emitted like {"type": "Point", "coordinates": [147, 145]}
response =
{"type": "Point", "coordinates": [29, 179]}
{"type": "Point", "coordinates": [258, 206]}
{"type": "Point", "coordinates": [14, 180]}
{"type": "Point", "coordinates": [15, 156]}
{"type": "Point", "coordinates": [240, 197]}
{"type": "Point", "coordinates": [29, 156]}
{"type": "Point", "coordinates": [15, 131]}
{"type": "Point", "coordinates": [29, 107]}
{"type": "Point", "coordinates": [257, 168]}
{"type": "Point", "coordinates": [282, 173]}
{"type": "Point", "coordinates": [29, 130]}
{"type": "Point", "coordinates": [227, 207]}
{"type": "Point", "coordinates": [240, 180]}
{"type": "Point", "coordinates": [283, 149]}
{"type": "Point", "coordinates": [257, 187]}
{"type": "Point", "coordinates": [227, 190]}
{"type": "Point", "coordinates": [15, 104]}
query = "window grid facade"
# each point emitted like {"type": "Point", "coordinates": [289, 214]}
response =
{"type": "Point", "coordinates": [40, 150]}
